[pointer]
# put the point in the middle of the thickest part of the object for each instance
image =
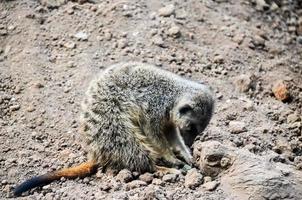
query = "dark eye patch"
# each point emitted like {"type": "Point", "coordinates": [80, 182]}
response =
{"type": "Point", "coordinates": [185, 109]}
{"type": "Point", "coordinates": [193, 128]}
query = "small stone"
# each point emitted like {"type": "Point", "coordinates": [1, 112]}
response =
{"type": "Point", "coordinates": [181, 14]}
{"type": "Point", "coordinates": [295, 125]}
{"type": "Point", "coordinates": [292, 118]}
{"type": "Point", "coordinates": [207, 179]}
{"type": "Point", "coordinates": [237, 127]}
{"type": "Point", "coordinates": [157, 181]}
{"type": "Point", "coordinates": [38, 85]}
{"type": "Point", "coordinates": [14, 107]}
{"type": "Point", "coordinates": [174, 31]}
{"type": "Point", "coordinates": [93, 8]}
{"type": "Point", "coordinates": [248, 105]}
{"type": "Point", "coordinates": [238, 38]}
{"type": "Point", "coordinates": [291, 29]}
{"type": "Point", "coordinates": [193, 179]}
{"type": "Point", "coordinates": [261, 5]}
{"type": "Point", "coordinates": [99, 174]}
{"type": "Point", "coordinates": [124, 176]}
{"type": "Point", "coordinates": [147, 177]}
{"type": "Point", "coordinates": [280, 91]}
{"type": "Point", "coordinates": [135, 184]}
{"type": "Point", "coordinates": [3, 32]}
{"type": "Point", "coordinates": [169, 178]}
{"type": "Point", "coordinates": [86, 180]}
{"type": "Point", "coordinates": [70, 64]}
{"type": "Point", "coordinates": [243, 82]}
{"type": "Point", "coordinates": [210, 186]}
{"type": "Point", "coordinates": [158, 40]}
{"type": "Point", "coordinates": [45, 187]}
{"type": "Point", "coordinates": [70, 11]}
{"type": "Point", "coordinates": [39, 121]}
{"type": "Point", "coordinates": [219, 59]}
{"type": "Point", "coordinates": [122, 44]}
{"type": "Point", "coordinates": [81, 36]}
{"type": "Point", "coordinates": [11, 27]}
{"type": "Point", "coordinates": [18, 89]}
{"type": "Point", "coordinates": [105, 186]}
{"type": "Point", "coordinates": [135, 174]}
{"type": "Point", "coordinates": [258, 41]}
{"type": "Point", "coordinates": [186, 168]}
{"type": "Point", "coordinates": [52, 3]}
{"type": "Point", "coordinates": [70, 45]}
{"type": "Point", "coordinates": [107, 35]}
{"type": "Point", "coordinates": [167, 10]}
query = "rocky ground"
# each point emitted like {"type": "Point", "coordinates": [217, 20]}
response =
{"type": "Point", "coordinates": [249, 52]}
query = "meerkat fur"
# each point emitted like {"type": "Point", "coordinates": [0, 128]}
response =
{"type": "Point", "coordinates": [140, 117]}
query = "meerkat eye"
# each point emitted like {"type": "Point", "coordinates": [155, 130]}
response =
{"type": "Point", "coordinates": [185, 109]}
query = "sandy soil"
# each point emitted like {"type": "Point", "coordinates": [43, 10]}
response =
{"type": "Point", "coordinates": [49, 53]}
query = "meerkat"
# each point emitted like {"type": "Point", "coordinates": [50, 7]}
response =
{"type": "Point", "coordinates": [139, 117]}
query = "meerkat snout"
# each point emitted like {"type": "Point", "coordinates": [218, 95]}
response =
{"type": "Point", "coordinates": [192, 114]}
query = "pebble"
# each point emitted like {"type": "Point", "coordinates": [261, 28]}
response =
{"type": "Point", "coordinates": [135, 184]}
{"type": "Point", "coordinates": [193, 179]}
{"type": "Point", "coordinates": [248, 105]}
{"type": "Point", "coordinates": [237, 127]}
{"type": "Point", "coordinates": [261, 5]}
{"type": "Point", "coordinates": [181, 14]}
{"type": "Point", "coordinates": [258, 41]}
{"type": "Point", "coordinates": [105, 186]}
{"type": "Point", "coordinates": [292, 118]}
{"type": "Point", "coordinates": [207, 179]}
{"type": "Point", "coordinates": [157, 181]}
{"type": "Point", "coordinates": [147, 177]}
{"type": "Point", "coordinates": [238, 38]}
{"type": "Point", "coordinates": [243, 82]}
{"type": "Point", "coordinates": [18, 89]}
{"type": "Point", "coordinates": [174, 31]}
{"type": "Point", "coordinates": [169, 178]}
{"type": "Point", "coordinates": [280, 90]}
{"type": "Point", "coordinates": [70, 64]}
{"type": "Point", "coordinates": [70, 11]}
{"type": "Point", "coordinates": [219, 59]}
{"type": "Point", "coordinates": [14, 107]}
{"type": "Point", "coordinates": [122, 44]}
{"type": "Point", "coordinates": [38, 85]}
{"type": "Point", "coordinates": [158, 40]}
{"type": "Point", "coordinates": [81, 36]}
{"type": "Point", "coordinates": [124, 176]}
{"type": "Point", "coordinates": [210, 186]}
{"type": "Point", "coordinates": [167, 10]}
{"type": "Point", "coordinates": [3, 32]}
{"type": "Point", "coordinates": [107, 35]}
{"type": "Point", "coordinates": [70, 45]}
{"type": "Point", "coordinates": [295, 125]}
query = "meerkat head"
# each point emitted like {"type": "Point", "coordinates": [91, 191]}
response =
{"type": "Point", "coordinates": [192, 113]}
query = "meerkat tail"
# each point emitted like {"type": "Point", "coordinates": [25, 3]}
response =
{"type": "Point", "coordinates": [82, 170]}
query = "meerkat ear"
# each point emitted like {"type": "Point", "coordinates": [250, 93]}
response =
{"type": "Point", "coordinates": [185, 109]}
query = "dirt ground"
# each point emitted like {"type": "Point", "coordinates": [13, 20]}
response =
{"type": "Point", "coordinates": [50, 51]}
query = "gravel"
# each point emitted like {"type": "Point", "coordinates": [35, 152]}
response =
{"type": "Point", "coordinates": [51, 49]}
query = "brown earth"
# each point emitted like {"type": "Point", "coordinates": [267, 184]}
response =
{"type": "Point", "coordinates": [50, 51]}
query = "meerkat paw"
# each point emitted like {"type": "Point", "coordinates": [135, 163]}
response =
{"type": "Point", "coordinates": [161, 171]}
{"type": "Point", "coordinates": [172, 161]}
